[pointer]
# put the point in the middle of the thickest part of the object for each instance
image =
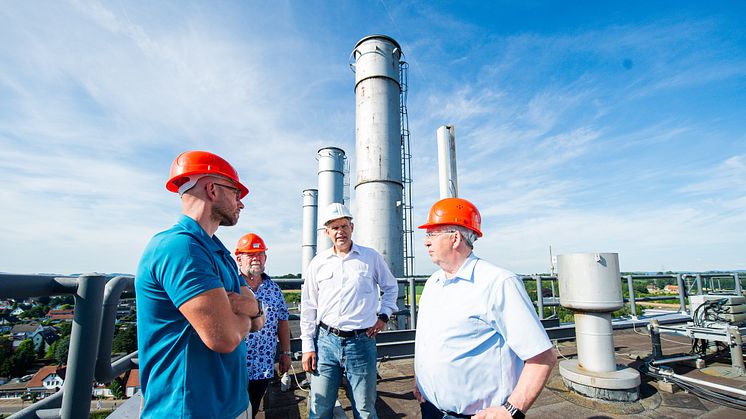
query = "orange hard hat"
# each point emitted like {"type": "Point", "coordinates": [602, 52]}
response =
{"type": "Point", "coordinates": [250, 243]}
{"type": "Point", "coordinates": [454, 211]}
{"type": "Point", "coordinates": [201, 163]}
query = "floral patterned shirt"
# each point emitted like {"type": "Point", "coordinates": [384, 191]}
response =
{"type": "Point", "coordinates": [262, 345]}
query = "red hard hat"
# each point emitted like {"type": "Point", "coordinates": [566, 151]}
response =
{"type": "Point", "coordinates": [201, 163]}
{"type": "Point", "coordinates": [250, 243]}
{"type": "Point", "coordinates": [454, 211]}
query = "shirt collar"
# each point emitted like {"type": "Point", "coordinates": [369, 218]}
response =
{"type": "Point", "coordinates": [354, 249]}
{"type": "Point", "coordinates": [465, 272]}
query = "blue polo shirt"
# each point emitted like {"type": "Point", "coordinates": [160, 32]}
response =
{"type": "Point", "coordinates": [179, 375]}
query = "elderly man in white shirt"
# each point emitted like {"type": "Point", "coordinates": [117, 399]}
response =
{"type": "Point", "coordinates": [341, 315]}
{"type": "Point", "coordinates": [480, 351]}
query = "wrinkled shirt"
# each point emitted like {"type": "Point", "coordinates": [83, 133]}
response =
{"type": "Point", "coordinates": [343, 292]}
{"type": "Point", "coordinates": [262, 344]}
{"type": "Point", "coordinates": [474, 332]}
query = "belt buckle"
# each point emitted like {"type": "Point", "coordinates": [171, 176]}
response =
{"type": "Point", "coordinates": [335, 331]}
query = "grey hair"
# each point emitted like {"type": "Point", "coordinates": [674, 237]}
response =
{"type": "Point", "coordinates": [468, 235]}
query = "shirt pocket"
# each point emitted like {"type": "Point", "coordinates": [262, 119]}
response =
{"type": "Point", "coordinates": [324, 279]}
{"type": "Point", "coordinates": [362, 280]}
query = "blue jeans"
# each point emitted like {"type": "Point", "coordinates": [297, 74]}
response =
{"type": "Point", "coordinates": [357, 356]}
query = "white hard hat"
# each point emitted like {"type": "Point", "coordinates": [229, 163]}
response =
{"type": "Point", "coordinates": [335, 211]}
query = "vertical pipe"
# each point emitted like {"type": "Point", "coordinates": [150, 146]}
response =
{"type": "Point", "coordinates": [310, 219]}
{"type": "Point", "coordinates": [539, 297]}
{"type": "Point", "coordinates": [655, 337]}
{"type": "Point", "coordinates": [632, 305]}
{"type": "Point", "coordinates": [81, 357]}
{"type": "Point", "coordinates": [378, 145]}
{"type": "Point", "coordinates": [682, 294]}
{"type": "Point", "coordinates": [737, 283]}
{"type": "Point", "coordinates": [595, 342]}
{"type": "Point", "coordinates": [736, 353]}
{"type": "Point", "coordinates": [331, 188]}
{"type": "Point", "coordinates": [699, 284]}
{"type": "Point", "coordinates": [448, 178]}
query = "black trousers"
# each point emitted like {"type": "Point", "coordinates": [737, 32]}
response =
{"type": "Point", "coordinates": [429, 411]}
{"type": "Point", "coordinates": [257, 388]}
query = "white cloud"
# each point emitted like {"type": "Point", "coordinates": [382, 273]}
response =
{"type": "Point", "coordinates": [557, 141]}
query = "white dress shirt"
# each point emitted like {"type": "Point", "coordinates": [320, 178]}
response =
{"type": "Point", "coordinates": [474, 332]}
{"type": "Point", "coordinates": [343, 292]}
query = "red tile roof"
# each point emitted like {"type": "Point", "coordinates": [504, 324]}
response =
{"type": "Point", "coordinates": [60, 314]}
{"type": "Point", "coordinates": [38, 379]}
{"type": "Point", "coordinates": [134, 379]}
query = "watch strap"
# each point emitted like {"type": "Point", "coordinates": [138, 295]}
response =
{"type": "Point", "coordinates": [514, 411]}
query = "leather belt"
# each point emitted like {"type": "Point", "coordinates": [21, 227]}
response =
{"type": "Point", "coordinates": [342, 333]}
{"type": "Point", "coordinates": [432, 411]}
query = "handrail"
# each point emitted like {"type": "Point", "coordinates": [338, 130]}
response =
{"type": "Point", "coordinates": [104, 372]}
{"type": "Point", "coordinates": [95, 298]}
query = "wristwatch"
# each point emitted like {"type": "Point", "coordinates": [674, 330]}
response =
{"type": "Point", "coordinates": [261, 309]}
{"type": "Point", "coordinates": [383, 317]}
{"type": "Point", "coordinates": [514, 411]}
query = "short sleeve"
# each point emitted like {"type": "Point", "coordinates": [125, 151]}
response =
{"type": "Point", "coordinates": [515, 319]}
{"type": "Point", "coordinates": [187, 269]}
{"type": "Point", "coordinates": [282, 307]}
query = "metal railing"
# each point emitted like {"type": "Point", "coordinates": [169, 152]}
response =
{"type": "Point", "coordinates": [89, 354]}
{"type": "Point", "coordinates": [97, 297]}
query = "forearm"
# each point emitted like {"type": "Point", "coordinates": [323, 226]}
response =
{"type": "Point", "coordinates": [308, 313]}
{"type": "Point", "coordinates": [212, 317]}
{"type": "Point", "coordinates": [533, 377]}
{"type": "Point", "coordinates": [283, 333]}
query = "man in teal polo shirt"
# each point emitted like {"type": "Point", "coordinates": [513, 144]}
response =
{"type": "Point", "coordinates": [193, 309]}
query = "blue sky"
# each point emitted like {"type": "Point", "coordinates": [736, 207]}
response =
{"type": "Point", "coordinates": [586, 126]}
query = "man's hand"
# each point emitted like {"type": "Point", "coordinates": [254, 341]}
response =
{"type": "Point", "coordinates": [243, 304]}
{"type": "Point", "coordinates": [493, 413]}
{"type": "Point", "coordinates": [284, 363]}
{"type": "Point", "coordinates": [416, 392]}
{"type": "Point", "coordinates": [309, 361]}
{"type": "Point", "coordinates": [373, 331]}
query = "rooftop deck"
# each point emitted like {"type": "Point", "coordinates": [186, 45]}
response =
{"type": "Point", "coordinates": [395, 399]}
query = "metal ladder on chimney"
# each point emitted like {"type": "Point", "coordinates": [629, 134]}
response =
{"type": "Point", "coordinates": [407, 230]}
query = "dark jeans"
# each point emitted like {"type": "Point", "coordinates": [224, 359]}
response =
{"type": "Point", "coordinates": [257, 388]}
{"type": "Point", "coordinates": [429, 411]}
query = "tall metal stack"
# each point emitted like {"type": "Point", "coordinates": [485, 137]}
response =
{"type": "Point", "coordinates": [379, 187]}
{"type": "Point", "coordinates": [331, 188]}
{"type": "Point", "coordinates": [310, 214]}
{"type": "Point", "coordinates": [448, 178]}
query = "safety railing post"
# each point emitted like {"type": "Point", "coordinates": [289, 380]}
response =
{"type": "Point", "coordinates": [632, 305]}
{"type": "Point", "coordinates": [412, 303]}
{"type": "Point", "coordinates": [737, 284]}
{"type": "Point", "coordinates": [699, 284]}
{"type": "Point", "coordinates": [539, 297]}
{"type": "Point", "coordinates": [682, 294]}
{"type": "Point", "coordinates": [84, 339]}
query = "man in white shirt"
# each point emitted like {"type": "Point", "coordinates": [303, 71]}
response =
{"type": "Point", "coordinates": [340, 317]}
{"type": "Point", "coordinates": [480, 349]}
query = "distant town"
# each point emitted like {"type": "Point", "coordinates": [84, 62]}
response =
{"type": "Point", "coordinates": [35, 335]}
{"type": "Point", "coordinates": [34, 340]}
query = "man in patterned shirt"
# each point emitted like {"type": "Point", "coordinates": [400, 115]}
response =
{"type": "Point", "coordinates": [262, 345]}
